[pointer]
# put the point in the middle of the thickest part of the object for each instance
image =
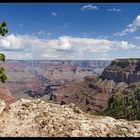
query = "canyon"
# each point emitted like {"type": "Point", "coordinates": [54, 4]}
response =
{"type": "Point", "coordinates": [97, 94]}
{"type": "Point", "coordinates": [100, 98]}
{"type": "Point", "coordinates": [89, 84]}
{"type": "Point", "coordinates": [39, 78]}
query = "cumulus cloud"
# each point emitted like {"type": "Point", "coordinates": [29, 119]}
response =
{"type": "Point", "coordinates": [63, 47]}
{"type": "Point", "coordinates": [125, 45]}
{"type": "Point", "coordinates": [89, 7]}
{"type": "Point", "coordinates": [131, 27]}
{"type": "Point", "coordinates": [54, 14]}
{"type": "Point", "coordinates": [114, 10]}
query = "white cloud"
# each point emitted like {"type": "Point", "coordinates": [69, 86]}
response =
{"type": "Point", "coordinates": [41, 33]}
{"type": "Point", "coordinates": [137, 37]}
{"type": "Point", "coordinates": [103, 37]}
{"type": "Point", "coordinates": [54, 14]}
{"type": "Point", "coordinates": [125, 45]}
{"type": "Point", "coordinates": [63, 47]}
{"type": "Point", "coordinates": [131, 27]}
{"type": "Point", "coordinates": [89, 7]}
{"type": "Point", "coordinates": [114, 10]}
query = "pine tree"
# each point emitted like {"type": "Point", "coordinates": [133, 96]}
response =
{"type": "Point", "coordinates": [3, 32]}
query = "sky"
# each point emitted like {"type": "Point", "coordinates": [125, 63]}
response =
{"type": "Point", "coordinates": [71, 31]}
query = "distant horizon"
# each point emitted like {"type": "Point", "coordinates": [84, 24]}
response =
{"type": "Point", "coordinates": [67, 59]}
{"type": "Point", "coordinates": [53, 60]}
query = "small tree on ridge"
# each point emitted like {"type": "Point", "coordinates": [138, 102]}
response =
{"type": "Point", "coordinates": [3, 32]}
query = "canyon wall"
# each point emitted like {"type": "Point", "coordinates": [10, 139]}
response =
{"type": "Point", "coordinates": [123, 70]}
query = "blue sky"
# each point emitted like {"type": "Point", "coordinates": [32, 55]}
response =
{"type": "Point", "coordinates": [71, 31]}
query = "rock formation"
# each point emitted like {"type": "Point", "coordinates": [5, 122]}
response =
{"type": "Point", "coordinates": [123, 70]}
{"type": "Point", "coordinates": [6, 95]}
{"type": "Point", "coordinates": [91, 95]}
{"type": "Point", "coordinates": [37, 118]}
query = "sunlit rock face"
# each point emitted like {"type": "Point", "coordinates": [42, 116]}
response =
{"type": "Point", "coordinates": [93, 94]}
{"type": "Point", "coordinates": [123, 70]}
{"type": "Point", "coordinates": [37, 118]}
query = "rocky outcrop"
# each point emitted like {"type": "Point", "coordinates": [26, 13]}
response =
{"type": "Point", "coordinates": [123, 70]}
{"type": "Point", "coordinates": [91, 95]}
{"type": "Point", "coordinates": [116, 77]}
{"type": "Point", "coordinates": [6, 95]}
{"type": "Point", "coordinates": [37, 118]}
{"type": "Point", "coordinates": [108, 86]}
